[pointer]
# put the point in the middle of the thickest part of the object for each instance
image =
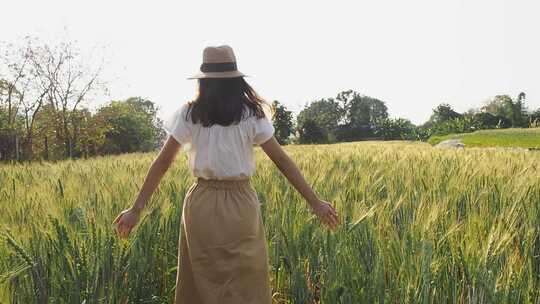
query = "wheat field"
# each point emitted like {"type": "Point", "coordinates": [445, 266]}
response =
{"type": "Point", "coordinates": [419, 225]}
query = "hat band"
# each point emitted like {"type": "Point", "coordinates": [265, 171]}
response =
{"type": "Point", "coordinates": [218, 67]}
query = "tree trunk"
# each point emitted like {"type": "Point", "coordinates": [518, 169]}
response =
{"type": "Point", "coordinates": [16, 147]}
{"type": "Point", "coordinates": [46, 142]}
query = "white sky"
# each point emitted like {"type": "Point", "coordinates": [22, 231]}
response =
{"type": "Point", "coordinates": [411, 54]}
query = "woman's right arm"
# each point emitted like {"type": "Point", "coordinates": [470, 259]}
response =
{"type": "Point", "coordinates": [128, 218]}
{"type": "Point", "coordinates": [288, 168]}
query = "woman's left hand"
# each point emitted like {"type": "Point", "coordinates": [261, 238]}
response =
{"type": "Point", "coordinates": [125, 221]}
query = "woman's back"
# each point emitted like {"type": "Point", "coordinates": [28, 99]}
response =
{"type": "Point", "coordinates": [216, 151]}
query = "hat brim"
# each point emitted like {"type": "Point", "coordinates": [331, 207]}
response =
{"type": "Point", "coordinates": [227, 74]}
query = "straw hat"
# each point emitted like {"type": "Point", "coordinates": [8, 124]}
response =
{"type": "Point", "coordinates": [218, 62]}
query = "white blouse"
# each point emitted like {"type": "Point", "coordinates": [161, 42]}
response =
{"type": "Point", "coordinates": [219, 152]}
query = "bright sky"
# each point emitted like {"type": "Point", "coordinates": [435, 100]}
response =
{"type": "Point", "coordinates": [411, 54]}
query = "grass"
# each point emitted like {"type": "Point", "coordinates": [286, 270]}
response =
{"type": "Point", "coordinates": [517, 138]}
{"type": "Point", "coordinates": [420, 225]}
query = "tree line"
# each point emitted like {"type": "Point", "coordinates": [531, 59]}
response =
{"type": "Point", "coordinates": [351, 116]}
{"type": "Point", "coordinates": [46, 90]}
{"type": "Point", "coordinates": [44, 106]}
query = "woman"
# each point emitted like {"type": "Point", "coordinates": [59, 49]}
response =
{"type": "Point", "coordinates": [223, 254]}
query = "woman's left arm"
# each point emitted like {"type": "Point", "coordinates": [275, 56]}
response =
{"type": "Point", "coordinates": [128, 218]}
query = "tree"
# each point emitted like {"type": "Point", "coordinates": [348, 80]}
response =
{"type": "Point", "coordinates": [392, 129]}
{"type": "Point", "coordinates": [513, 111]}
{"type": "Point", "coordinates": [311, 132]}
{"type": "Point", "coordinates": [283, 123]}
{"type": "Point", "coordinates": [349, 116]}
{"type": "Point", "coordinates": [72, 77]}
{"type": "Point", "coordinates": [46, 143]}
{"type": "Point", "coordinates": [365, 111]}
{"type": "Point", "coordinates": [500, 105]}
{"type": "Point", "coordinates": [127, 126]}
{"type": "Point", "coordinates": [519, 111]}
{"type": "Point", "coordinates": [6, 140]}
{"type": "Point", "coordinates": [325, 114]}
{"type": "Point", "coordinates": [534, 118]}
{"type": "Point", "coordinates": [36, 74]}
{"type": "Point", "coordinates": [362, 113]}
{"type": "Point", "coordinates": [455, 125]}
{"type": "Point", "coordinates": [486, 120]}
{"type": "Point", "coordinates": [443, 113]}
{"type": "Point", "coordinates": [22, 92]}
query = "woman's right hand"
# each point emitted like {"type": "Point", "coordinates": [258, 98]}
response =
{"type": "Point", "coordinates": [125, 221]}
{"type": "Point", "coordinates": [326, 213]}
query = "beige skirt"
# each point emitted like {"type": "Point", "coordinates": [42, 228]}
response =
{"type": "Point", "coordinates": [222, 251]}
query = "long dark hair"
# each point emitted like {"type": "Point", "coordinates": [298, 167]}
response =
{"type": "Point", "coordinates": [222, 101]}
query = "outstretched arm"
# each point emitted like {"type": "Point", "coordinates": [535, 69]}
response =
{"type": "Point", "coordinates": [128, 218]}
{"type": "Point", "coordinates": [288, 168]}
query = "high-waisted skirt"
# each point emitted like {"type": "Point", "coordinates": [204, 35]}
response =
{"type": "Point", "coordinates": [222, 251]}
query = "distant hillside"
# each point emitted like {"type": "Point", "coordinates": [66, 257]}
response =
{"type": "Point", "coordinates": [522, 138]}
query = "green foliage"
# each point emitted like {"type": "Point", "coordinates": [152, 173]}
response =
{"type": "Point", "coordinates": [534, 119]}
{"type": "Point", "coordinates": [311, 132]}
{"type": "Point", "coordinates": [486, 120]}
{"type": "Point", "coordinates": [319, 118]}
{"type": "Point", "coordinates": [118, 127]}
{"type": "Point", "coordinates": [129, 125]}
{"type": "Point", "coordinates": [399, 128]}
{"type": "Point", "coordinates": [443, 113]}
{"type": "Point", "coordinates": [283, 122]}
{"type": "Point", "coordinates": [9, 133]}
{"type": "Point", "coordinates": [420, 225]}
{"type": "Point", "coordinates": [455, 125]}
{"type": "Point", "coordinates": [514, 111]}
{"type": "Point", "coordinates": [361, 111]}
{"type": "Point", "coordinates": [348, 117]}
{"type": "Point", "coordinates": [501, 105]}
{"type": "Point", "coordinates": [501, 112]}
